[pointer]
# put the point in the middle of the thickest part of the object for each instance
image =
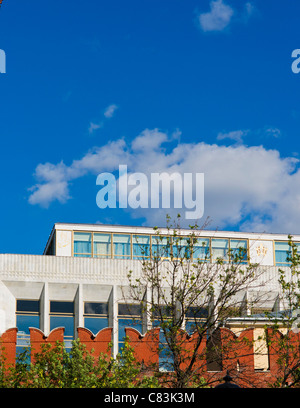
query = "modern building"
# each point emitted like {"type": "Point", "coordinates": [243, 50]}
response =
{"type": "Point", "coordinates": [79, 280]}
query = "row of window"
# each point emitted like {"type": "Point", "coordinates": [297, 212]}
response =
{"type": "Point", "coordinates": [129, 246]}
{"type": "Point", "coordinates": [95, 319]}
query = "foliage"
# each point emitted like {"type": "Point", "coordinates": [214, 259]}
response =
{"type": "Point", "coordinates": [283, 335]}
{"type": "Point", "coordinates": [54, 367]}
{"type": "Point", "coordinates": [175, 284]}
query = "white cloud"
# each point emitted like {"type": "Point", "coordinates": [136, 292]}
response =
{"type": "Point", "coordinates": [94, 126]}
{"type": "Point", "coordinates": [108, 114]}
{"type": "Point", "coordinates": [218, 18]}
{"type": "Point", "coordinates": [250, 188]}
{"type": "Point", "coordinates": [221, 15]}
{"type": "Point", "coordinates": [110, 110]}
{"type": "Point", "coordinates": [236, 135]}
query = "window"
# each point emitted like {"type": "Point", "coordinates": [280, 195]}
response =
{"type": "Point", "coordinates": [82, 244]}
{"type": "Point", "coordinates": [95, 316]}
{"type": "Point", "coordinates": [129, 315]}
{"type": "Point", "coordinates": [238, 250]}
{"type": "Point", "coordinates": [122, 246]}
{"type": "Point", "coordinates": [282, 251]}
{"type": "Point", "coordinates": [102, 245]}
{"type": "Point", "coordinates": [219, 249]}
{"type": "Point", "coordinates": [161, 247]}
{"type": "Point", "coordinates": [27, 315]}
{"type": "Point", "coordinates": [163, 314]}
{"type": "Point", "coordinates": [194, 318]}
{"type": "Point", "coordinates": [140, 246]}
{"type": "Point", "coordinates": [181, 248]}
{"type": "Point", "coordinates": [201, 249]}
{"type": "Point", "coordinates": [62, 315]}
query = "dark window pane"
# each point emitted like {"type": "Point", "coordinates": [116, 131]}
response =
{"type": "Point", "coordinates": [130, 310]}
{"type": "Point", "coordinates": [61, 307]}
{"type": "Point", "coordinates": [32, 306]}
{"type": "Point", "coordinates": [197, 312]}
{"type": "Point", "coordinates": [95, 308]}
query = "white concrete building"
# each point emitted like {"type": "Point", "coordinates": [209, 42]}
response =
{"type": "Point", "coordinates": [78, 279]}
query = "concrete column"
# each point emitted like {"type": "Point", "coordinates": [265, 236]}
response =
{"type": "Point", "coordinates": [44, 310]}
{"type": "Point", "coordinates": [113, 319]}
{"type": "Point", "coordinates": [146, 306]}
{"type": "Point", "coordinates": [78, 309]}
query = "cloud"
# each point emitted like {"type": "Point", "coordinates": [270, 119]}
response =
{"type": "Point", "coordinates": [108, 114]}
{"type": "Point", "coordinates": [54, 185]}
{"type": "Point", "coordinates": [221, 15]}
{"type": "Point", "coordinates": [246, 187]}
{"type": "Point", "coordinates": [272, 131]}
{"type": "Point", "coordinates": [218, 18]}
{"type": "Point", "coordinates": [94, 126]}
{"type": "Point", "coordinates": [236, 135]}
{"type": "Point", "coordinates": [110, 110]}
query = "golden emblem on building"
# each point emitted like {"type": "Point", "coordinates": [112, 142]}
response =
{"type": "Point", "coordinates": [261, 250]}
{"type": "Point", "coordinates": [63, 240]}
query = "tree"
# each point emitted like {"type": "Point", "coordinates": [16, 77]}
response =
{"type": "Point", "coordinates": [282, 330]}
{"type": "Point", "coordinates": [179, 288]}
{"type": "Point", "coordinates": [54, 367]}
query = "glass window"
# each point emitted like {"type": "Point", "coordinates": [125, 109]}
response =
{"type": "Point", "coordinates": [165, 357]}
{"type": "Point", "coordinates": [194, 317]}
{"type": "Point", "coordinates": [219, 249]}
{"type": "Point", "coordinates": [181, 248]}
{"type": "Point", "coordinates": [102, 245]}
{"type": "Point", "coordinates": [95, 308]}
{"type": "Point", "coordinates": [62, 315]}
{"type": "Point", "coordinates": [129, 315]}
{"type": "Point", "coordinates": [29, 306]}
{"type": "Point", "coordinates": [297, 245]}
{"type": "Point", "coordinates": [122, 247]}
{"type": "Point", "coordinates": [61, 307]}
{"type": "Point", "coordinates": [140, 246]}
{"type": "Point", "coordinates": [82, 244]}
{"type": "Point", "coordinates": [282, 251]}
{"type": "Point", "coordinates": [161, 247]}
{"type": "Point", "coordinates": [27, 315]}
{"type": "Point", "coordinates": [238, 250]}
{"type": "Point", "coordinates": [201, 249]}
{"type": "Point", "coordinates": [95, 316]}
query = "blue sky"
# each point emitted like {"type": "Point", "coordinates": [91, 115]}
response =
{"type": "Point", "coordinates": [198, 86]}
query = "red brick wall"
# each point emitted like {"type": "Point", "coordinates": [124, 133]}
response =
{"type": "Point", "coordinates": [187, 344]}
{"type": "Point", "coordinates": [238, 356]}
{"type": "Point", "coordinates": [8, 341]}
{"type": "Point", "coordinates": [145, 347]}
{"type": "Point", "coordinates": [37, 338]}
{"type": "Point", "coordinates": [99, 343]}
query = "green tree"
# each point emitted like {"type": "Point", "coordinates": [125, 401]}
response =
{"type": "Point", "coordinates": [54, 367]}
{"type": "Point", "coordinates": [283, 328]}
{"type": "Point", "coordinates": [175, 284]}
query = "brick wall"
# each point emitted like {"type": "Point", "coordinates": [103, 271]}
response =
{"type": "Point", "coordinates": [8, 341]}
{"type": "Point", "coordinates": [101, 343]}
{"type": "Point", "coordinates": [237, 350]}
{"type": "Point", "coordinates": [37, 338]}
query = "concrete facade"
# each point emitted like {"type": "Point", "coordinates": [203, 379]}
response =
{"type": "Point", "coordinates": [63, 277]}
